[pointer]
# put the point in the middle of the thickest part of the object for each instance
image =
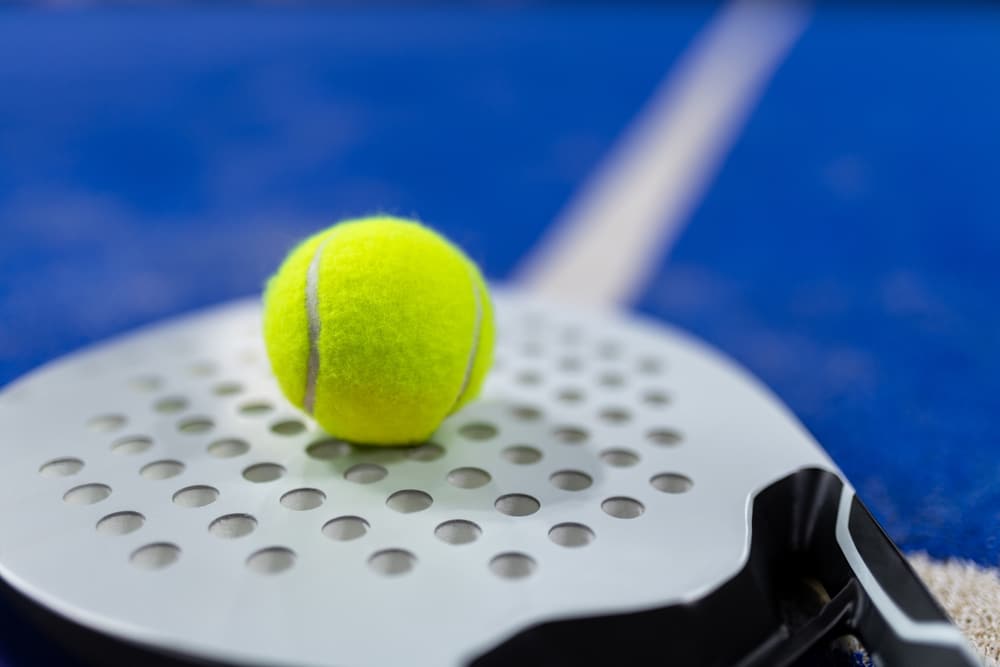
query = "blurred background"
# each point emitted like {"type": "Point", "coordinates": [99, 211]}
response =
{"type": "Point", "coordinates": [158, 159]}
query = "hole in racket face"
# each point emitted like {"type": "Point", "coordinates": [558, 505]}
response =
{"type": "Point", "coordinates": [513, 566]}
{"type": "Point", "coordinates": [458, 532]}
{"type": "Point", "coordinates": [517, 504]}
{"type": "Point", "coordinates": [227, 389]}
{"type": "Point", "coordinates": [288, 427]}
{"type": "Point", "coordinates": [664, 437]}
{"type": "Point", "coordinates": [228, 448]}
{"type": "Point", "coordinates": [120, 523]}
{"type": "Point", "coordinates": [571, 535]}
{"type": "Point", "coordinates": [264, 472]}
{"type": "Point", "coordinates": [365, 473]}
{"type": "Point", "coordinates": [107, 423]}
{"type": "Point", "coordinates": [170, 404]}
{"type": "Point", "coordinates": [623, 508]}
{"type": "Point", "coordinates": [478, 431]}
{"type": "Point", "coordinates": [161, 469]}
{"type": "Point", "coordinates": [671, 482]}
{"type": "Point", "coordinates": [232, 526]}
{"type": "Point", "coordinates": [63, 467]}
{"type": "Point", "coordinates": [196, 496]}
{"type": "Point", "coordinates": [620, 458]}
{"type": "Point", "coordinates": [87, 494]}
{"type": "Point", "coordinates": [392, 562]}
{"type": "Point", "coordinates": [136, 444]}
{"type": "Point", "coordinates": [271, 561]}
{"type": "Point", "coordinates": [303, 499]}
{"type": "Point", "coordinates": [409, 501]}
{"type": "Point", "coordinates": [256, 408]}
{"type": "Point", "coordinates": [469, 478]}
{"type": "Point", "coordinates": [522, 454]}
{"type": "Point", "coordinates": [195, 425]}
{"type": "Point", "coordinates": [571, 480]}
{"type": "Point", "coordinates": [345, 528]}
{"type": "Point", "coordinates": [430, 451]}
{"type": "Point", "coordinates": [326, 450]}
{"type": "Point", "coordinates": [156, 556]}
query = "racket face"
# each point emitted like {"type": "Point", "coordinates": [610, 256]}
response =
{"type": "Point", "coordinates": [162, 491]}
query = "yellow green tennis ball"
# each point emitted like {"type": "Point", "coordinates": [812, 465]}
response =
{"type": "Point", "coordinates": [379, 328]}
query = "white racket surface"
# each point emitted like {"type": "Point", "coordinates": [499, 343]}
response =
{"type": "Point", "coordinates": [159, 488]}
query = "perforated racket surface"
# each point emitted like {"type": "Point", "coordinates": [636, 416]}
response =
{"type": "Point", "coordinates": [159, 489]}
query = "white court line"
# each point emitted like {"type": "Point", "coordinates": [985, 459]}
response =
{"type": "Point", "coordinates": [603, 247]}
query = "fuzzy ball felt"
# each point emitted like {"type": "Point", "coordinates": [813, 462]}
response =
{"type": "Point", "coordinates": [379, 328]}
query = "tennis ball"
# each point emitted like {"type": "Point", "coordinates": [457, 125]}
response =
{"type": "Point", "coordinates": [379, 328]}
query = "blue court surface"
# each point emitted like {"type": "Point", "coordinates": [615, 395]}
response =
{"type": "Point", "coordinates": [847, 252]}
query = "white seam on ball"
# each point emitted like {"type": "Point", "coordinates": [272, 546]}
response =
{"type": "Point", "coordinates": [476, 332]}
{"type": "Point", "coordinates": [312, 309]}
